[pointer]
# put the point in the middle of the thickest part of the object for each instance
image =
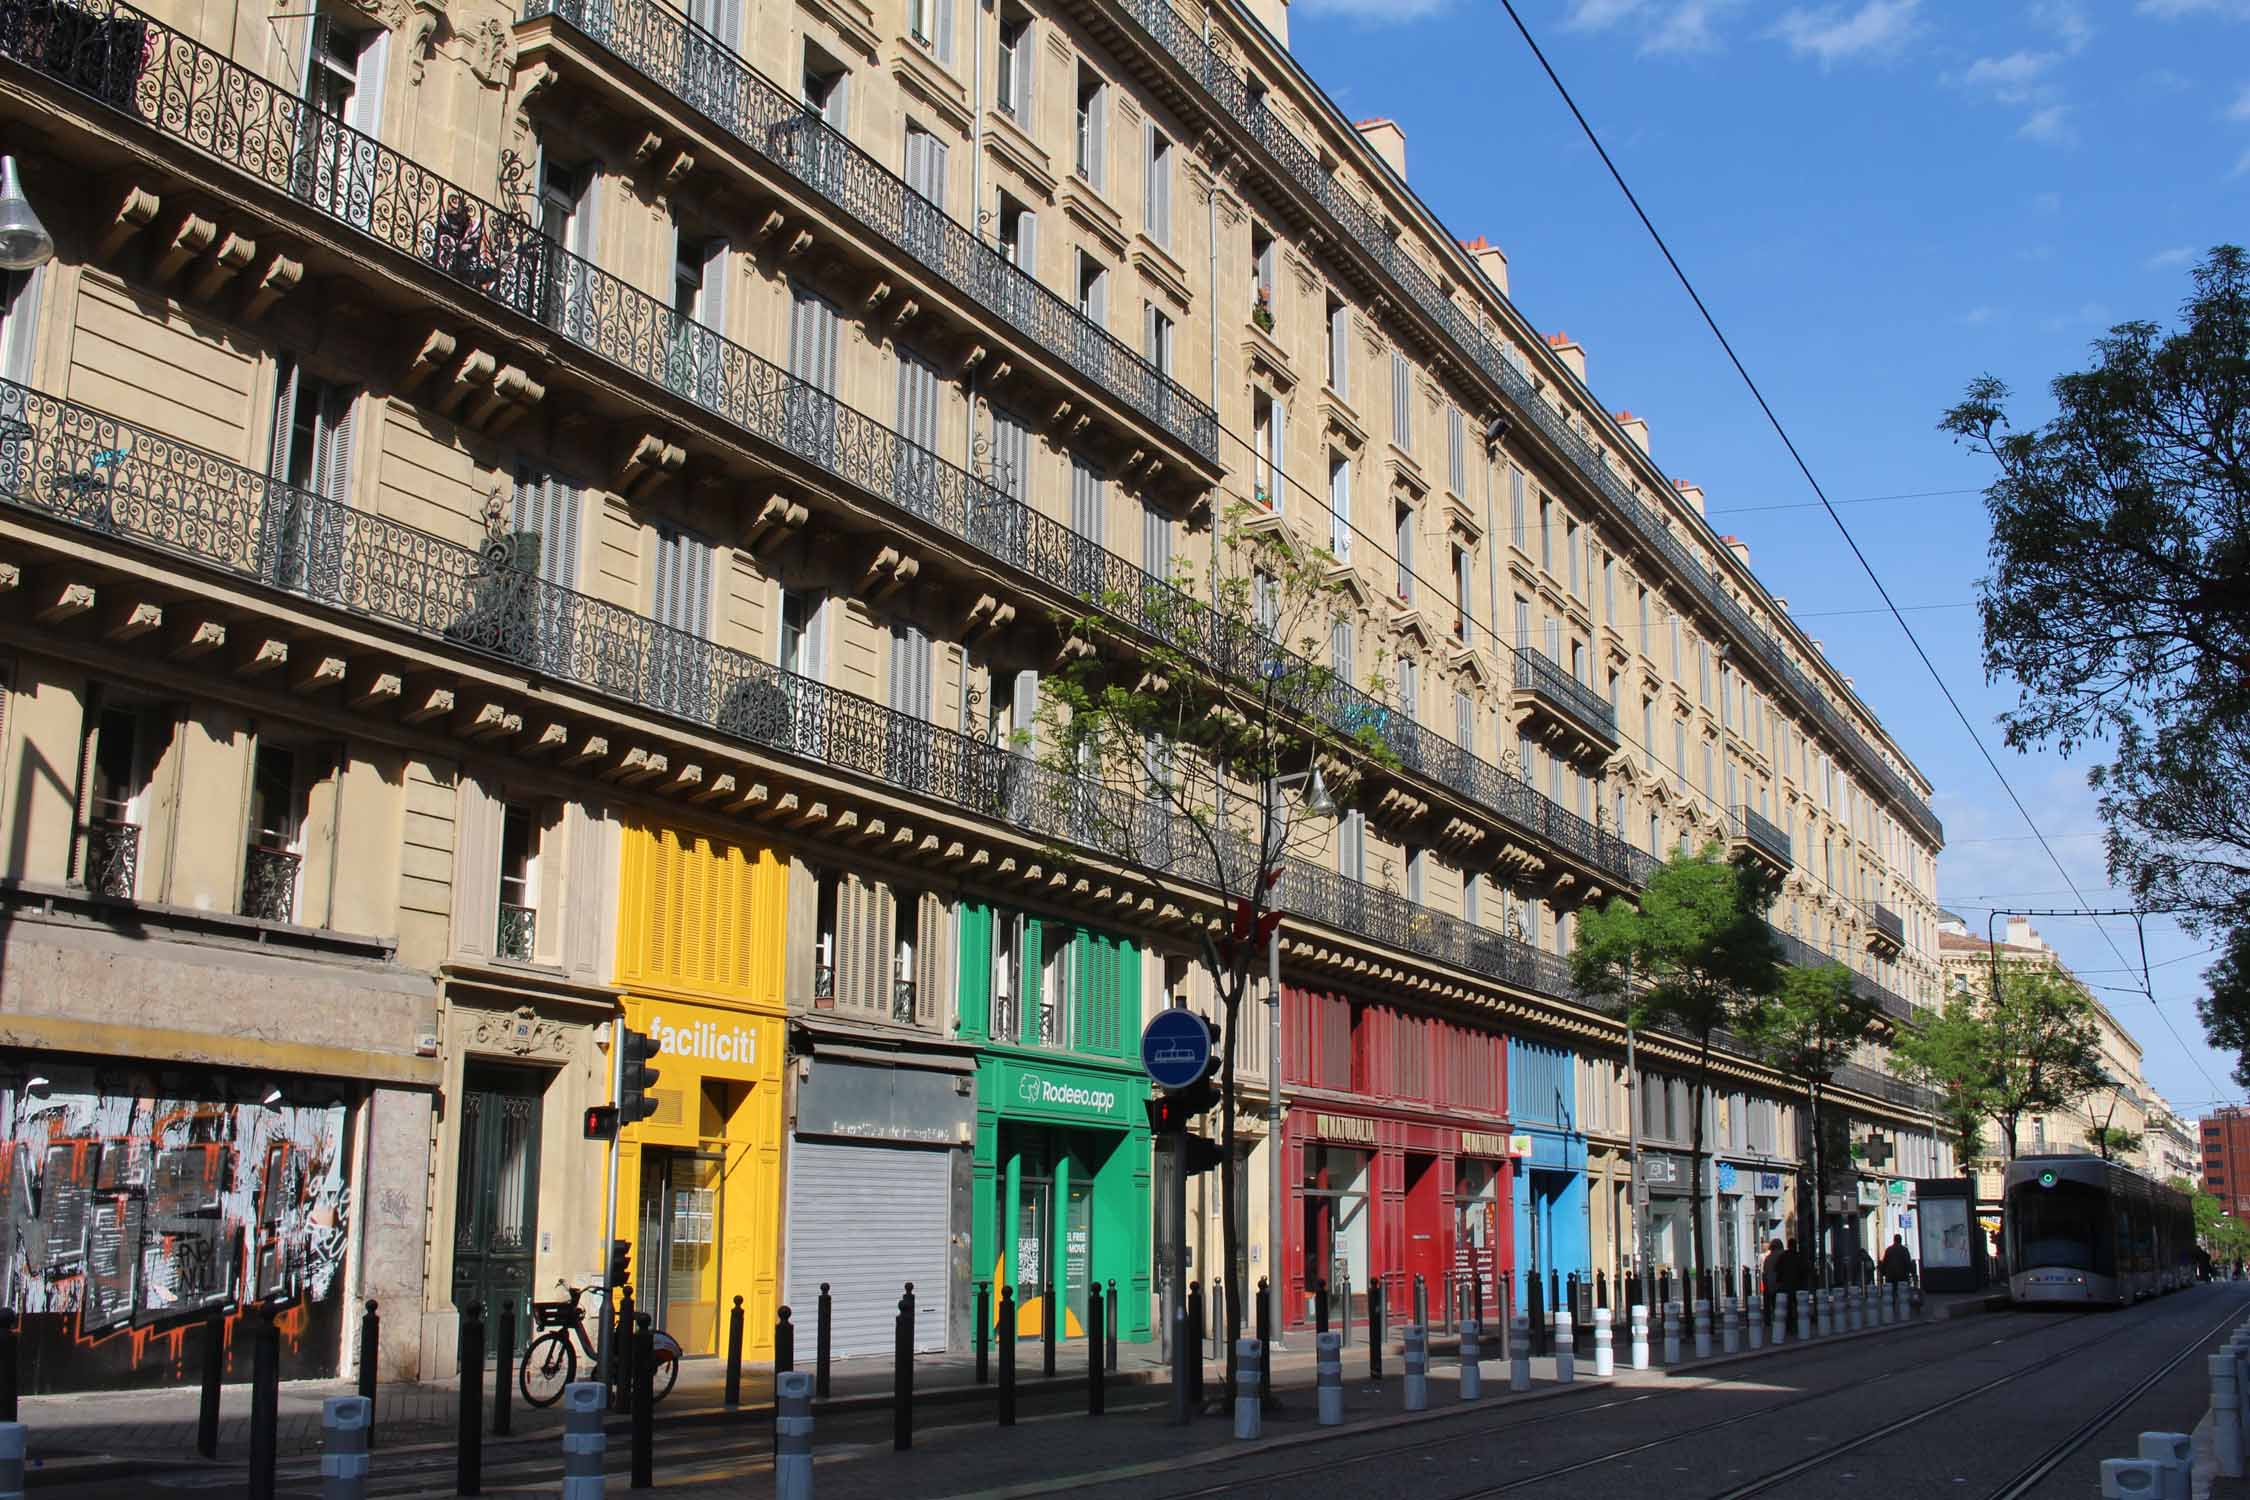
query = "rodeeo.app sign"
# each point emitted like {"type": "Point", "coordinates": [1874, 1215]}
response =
{"type": "Point", "coordinates": [1051, 1093]}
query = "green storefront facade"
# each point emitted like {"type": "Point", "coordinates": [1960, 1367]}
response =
{"type": "Point", "coordinates": [1061, 1166]}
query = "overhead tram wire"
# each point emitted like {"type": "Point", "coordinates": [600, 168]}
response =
{"type": "Point", "coordinates": [1804, 468]}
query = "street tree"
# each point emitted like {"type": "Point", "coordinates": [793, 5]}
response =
{"type": "Point", "coordinates": [2225, 1002]}
{"type": "Point", "coordinates": [2115, 599]}
{"type": "Point", "coordinates": [1815, 1021]}
{"type": "Point", "coordinates": [2029, 1045]}
{"type": "Point", "coordinates": [1173, 742]}
{"type": "Point", "coordinates": [2114, 1142]}
{"type": "Point", "coordinates": [1694, 955]}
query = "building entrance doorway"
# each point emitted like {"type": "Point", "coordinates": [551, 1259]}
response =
{"type": "Point", "coordinates": [677, 1277]}
{"type": "Point", "coordinates": [496, 1191]}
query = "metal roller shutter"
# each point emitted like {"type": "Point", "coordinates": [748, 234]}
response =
{"type": "Point", "coordinates": [867, 1220]}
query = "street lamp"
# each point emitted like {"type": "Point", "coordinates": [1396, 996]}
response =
{"type": "Point", "coordinates": [24, 242]}
{"type": "Point", "coordinates": [1321, 805]}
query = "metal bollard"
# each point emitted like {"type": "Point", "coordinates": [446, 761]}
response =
{"type": "Point", "coordinates": [343, 1448]}
{"type": "Point", "coordinates": [265, 1400]}
{"type": "Point", "coordinates": [792, 1453]}
{"type": "Point", "coordinates": [1378, 1326]}
{"type": "Point", "coordinates": [214, 1374]}
{"type": "Point", "coordinates": [2173, 1453]}
{"type": "Point", "coordinates": [1856, 1307]}
{"type": "Point", "coordinates": [821, 1328]}
{"type": "Point", "coordinates": [1421, 1302]}
{"type": "Point", "coordinates": [1328, 1369]}
{"type": "Point", "coordinates": [644, 1402]}
{"type": "Point", "coordinates": [1702, 1329]}
{"type": "Point", "coordinates": [2226, 1417]}
{"type": "Point", "coordinates": [1754, 1315]}
{"type": "Point", "coordinates": [984, 1332]}
{"type": "Point", "coordinates": [14, 1438]}
{"type": "Point", "coordinates": [1047, 1331]}
{"type": "Point", "coordinates": [1824, 1313]}
{"type": "Point", "coordinates": [1097, 1353]}
{"type": "Point", "coordinates": [1519, 1351]}
{"type": "Point", "coordinates": [902, 1373]}
{"type": "Point", "coordinates": [1605, 1355]}
{"type": "Point", "coordinates": [1730, 1326]}
{"type": "Point", "coordinates": [1417, 1368]}
{"type": "Point", "coordinates": [468, 1459]}
{"type": "Point", "coordinates": [1472, 1374]}
{"type": "Point", "coordinates": [1804, 1317]}
{"type": "Point", "coordinates": [1249, 1407]}
{"type": "Point", "coordinates": [1566, 1348]}
{"type": "Point", "coordinates": [370, 1359]}
{"type": "Point", "coordinates": [1638, 1350]}
{"type": "Point", "coordinates": [1671, 1333]}
{"type": "Point", "coordinates": [585, 1443]}
{"type": "Point", "coordinates": [734, 1355]}
{"type": "Point", "coordinates": [1007, 1403]}
{"type": "Point", "coordinates": [1109, 1326]}
{"type": "Point", "coordinates": [2130, 1479]}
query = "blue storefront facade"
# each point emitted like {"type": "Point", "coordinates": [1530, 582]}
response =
{"type": "Point", "coordinates": [1552, 1231]}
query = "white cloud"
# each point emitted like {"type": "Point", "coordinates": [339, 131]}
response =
{"type": "Point", "coordinates": [2012, 78]}
{"type": "Point", "coordinates": [2172, 10]}
{"type": "Point", "coordinates": [2165, 260]}
{"type": "Point", "coordinates": [2049, 125]}
{"type": "Point", "coordinates": [1687, 28]}
{"type": "Point", "coordinates": [2242, 167]}
{"type": "Point", "coordinates": [1599, 15]}
{"type": "Point", "coordinates": [2240, 109]}
{"type": "Point", "coordinates": [1977, 315]}
{"type": "Point", "coordinates": [1832, 35]}
{"type": "Point", "coordinates": [1665, 26]}
{"type": "Point", "coordinates": [2049, 202]}
{"type": "Point", "coordinates": [2065, 20]}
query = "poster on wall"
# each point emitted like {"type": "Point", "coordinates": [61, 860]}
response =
{"type": "Point", "coordinates": [1945, 1234]}
{"type": "Point", "coordinates": [138, 1201]}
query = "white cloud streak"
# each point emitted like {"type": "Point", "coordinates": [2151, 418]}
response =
{"type": "Point", "coordinates": [1833, 34]}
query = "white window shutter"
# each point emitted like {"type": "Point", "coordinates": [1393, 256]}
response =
{"type": "Point", "coordinates": [715, 268]}
{"type": "Point", "coordinates": [335, 475]}
{"type": "Point", "coordinates": [1025, 709]}
{"type": "Point", "coordinates": [284, 412]}
{"type": "Point", "coordinates": [1027, 244]}
{"type": "Point", "coordinates": [1280, 495]}
{"type": "Point", "coordinates": [1097, 134]}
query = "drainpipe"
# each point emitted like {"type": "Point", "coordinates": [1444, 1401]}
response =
{"type": "Point", "coordinates": [1211, 246]}
{"type": "Point", "coordinates": [976, 229]}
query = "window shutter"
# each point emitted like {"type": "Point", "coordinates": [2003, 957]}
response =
{"type": "Point", "coordinates": [1086, 497]}
{"type": "Point", "coordinates": [715, 267]}
{"type": "Point", "coordinates": [1339, 349]}
{"type": "Point", "coordinates": [1025, 709]}
{"type": "Point", "coordinates": [335, 474]}
{"type": "Point", "coordinates": [366, 112]}
{"type": "Point", "coordinates": [1097, 134]}
{"type": "Point", "coordinates": [284, 410]}
{"type": "Point", "coordinates": [1280, 456]}
{"type": "Point", "coordinates": [1156, 540]}
{"type": "Point", "coordinates": [20, 292]}
{"type": "Point", "coordinates": [476, 885]}
{"type": "Point", "coordinates": [933, 961]}
{"type": "Point", "coordinates": [1027, 244]}
{"type": "Point", "coordinates": [945, 28]}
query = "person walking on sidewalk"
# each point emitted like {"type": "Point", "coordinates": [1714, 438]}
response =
{"type": "Point", "coordinates": [1769, 1276]}
{"type": "Point", "coordinates": [1796, 1272]}
{"type": "Point", "coordinates": [1898, 1265]}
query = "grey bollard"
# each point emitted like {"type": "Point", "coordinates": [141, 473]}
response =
{"type": "Point", "coordinates": [2131, 1479]}
{"type": "Point", "coordinates": [1417, 1368]}
{"type": "Point", "coordinates": [2173, 1453]}
{"type": "Point", "coordinates": [1637, 1349]}
{"type": "Point", "coordinates": [2226, 1417]}
{"type": "Point", "coordinates": [1847, 1318]}
{"type": "Point", "coordinates": [1859, 1308]}
{"type": "Point", "coordinates": [1519, 1351]}
{"type": "Point", "coordinates": [1472, 1354]}
{"type": "Point", "coordinates": [1702, 1328]}
{"type": "Point", "coordinates": [1823, 1315]}
{"type": "Point", "coordinates": [1330, 1369]}
{"type": "Point", "coordinates": [1671, 1333]}
{"type": "Point", "coordinates": [1754, 1314]}
{"type": "Point", "coordinates": [343, 1447]}
{"type": "Point", "coordinates": [1566, 1347]}
{"type": "Point", "coordinates": [792, 1435]}
{"type": "Point", "coordinates": [13, 1440]}
{"type": "Point", "coordinates": [1605, 1357]}
{"type": "Point", "coordinates": [1730, 1326]}
{"type": "Point", "coordinates": [1781, 1315]}
{"type": "Point", "coordinates": [1249, 1409]}
{"type": "Point", "coordinates": [586, 1445]}
{"type": "Point", "coordinates": [1804, 1316]}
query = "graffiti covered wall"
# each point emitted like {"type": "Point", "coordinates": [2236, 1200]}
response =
{"type": "Point", "coordinates": [138, 1200]}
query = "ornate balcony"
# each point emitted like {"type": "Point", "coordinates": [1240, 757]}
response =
{"type": "Point", "coordinates": [269, 884]}
{"type": "Point", "coordinates": [112, 858]}
{"type": "Point", "coordinates": [709, 77]}
{"type": "Point", "coordinates": [1566, 712]}
{"type": "Point", "coordinates": [1375, 238]}
{"type": "Point", "coordinates": [1753, 831]}
{"type": "Point", "coordinates": [1886, 929]}
{"type": "Point", "coordinates": [187, 91]}
{"type": "Point", "coordinates": [517, 933]}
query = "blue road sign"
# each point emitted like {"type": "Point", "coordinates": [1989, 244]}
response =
{"type": "Point", "coordinates": [1175, 1048]}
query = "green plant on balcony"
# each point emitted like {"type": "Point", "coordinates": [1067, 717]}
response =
{"type": "Point", "coordinates": [1261, 313]}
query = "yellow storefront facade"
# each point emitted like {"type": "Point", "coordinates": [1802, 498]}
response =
{"type": "Point", "coordinates": [700, 942]}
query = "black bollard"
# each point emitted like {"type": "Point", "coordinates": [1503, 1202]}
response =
{"type": "Point", "coordinates": [1233, 1338]}
{"type": "Point", "coordinates": [1376, 1296]}
{"type": "Point", "coordinates": [621, 1351]}
{"type": "Point", "coordinates": [1007, 1356]}
{"type": "Point", "coordinates": [1264, 1322]}
{"type": "Point", "coordinates": [370, 1352]}
{"type": "Point", "coordinates": [902, 1374]}
{"type": "Point", "coordinates": [1109, 1327]}
{"type": "Point", "coordinates": [1218, 1315]}
{"type": "Point", "coordinates": [984, 1332]}
{"type": "Point", "coordinates": [644, 1402]}
{"type": "Point", "coordinates": [1421, 1302]}
{"type": "Point", "coordinates": [1476, 1299]}
{"type": "Point", "coordinates": [1097, 1353]}
{"type": "Point", "coordinates": [214, 1374]}
{"type": "Point", "coordinates": [784, 1341]}
{"type": "Point", "coordinates": [1320, 1306]}
{"type": "Point", "coordinates": [1047, 1330]}
{"type": "Point", "coordinates": [734, 1355]}
{"type": "Point", "coordinates": [821, 1328]}
{"type": "Point", "coordinates": [265, 1402]}
{"type": "Point", "coordinates": [504, 1369]}
{"type": "Point", "coordinates": [468, 1460]}
{"type": "Point", "coordinates": [1195, 1344]}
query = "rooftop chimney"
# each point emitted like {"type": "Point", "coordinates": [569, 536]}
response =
{"type": "Point", "coordinates": [1570, 351]}
{"type": "Point", "coordinates": [2020, 934]}
{"type": "Point", "coordinates": [1274, 16]}
{"type": "Point", "coordinates": [1389, 142]}
{"type": "Point", "coordinates": [1691, 493]}
{"type": "Point", "coordinates": [1739, 547]}
{"type": "Point", "coordinates": [1781, 602]}
{"type": "Point", "coordinates": [1636, 428]}
{"type": "Point", "coordinates": [1490, 259]}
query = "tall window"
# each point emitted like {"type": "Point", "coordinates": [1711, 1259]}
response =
{"type": "Point", "coordinates": [1017, 63]}
{"type": "Point", "coordinates": [1516, 535]}
{"type": "Point", "coordinates": [312, 453]}
{"type": "Point", "coordinates": [1417, 874]}
{"type": "Point", "coordinates": [1267, 602]}
{"type": "Point", "coordinates": [1093, 289]}
{"type": "Point", "coordinates": [1402, 400]}
{"type": "Point", "coordinates": [1546, 534]}
{"type": "Point", "coordinates": [1461, 594]}
{"type": "Point", "coordinates": [1570, 551]}
{"type": "Point", "coordinates": [1339, 346]}
{"type": "Point", "coordinates": [801, 650]}
{"type": "Point", "coordinates": [1340, 507]}
{"type": "Point", "coordinates": [826, 87]}
{"type": "Point", "coordinates": [933, 27]}
{"type": "Point", "coordinates": [1261, 270]}
{"type": "Point", "coordinates": [1403, 542]}
{"type": "Point", "coordinates": [1456, 452]}
{"type": "Point", "coordinates": [1263, 420]}
{"type": "Point", "coordinates": [1351, 845]}
{"type": "Point", "coordinates": [1159, 340]}
{"type": "Point", "coordinates": [1157, 204]}
{"type": "Point", "coordinates": [19, 323]}
{"type": "Point", "coordinates": [518, 917]}
{"type": "Point", "coordinates": [1092, 135]}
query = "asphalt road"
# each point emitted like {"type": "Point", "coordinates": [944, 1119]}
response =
{"type": "Point", "coordinates": [2010, 1406]}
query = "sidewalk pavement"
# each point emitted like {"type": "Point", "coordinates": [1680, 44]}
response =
{"type": "Point", "coordinates": [131, 1428]}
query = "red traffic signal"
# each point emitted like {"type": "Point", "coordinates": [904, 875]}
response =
{"type": "Point", "coordinates": [601, 1122]}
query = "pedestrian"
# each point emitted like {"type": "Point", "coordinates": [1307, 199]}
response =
{"type": "Point", "coordinates": [1898, 1264]}
{"type": "Point", "coordinates": [1796, 1274]}
{"type": "Point", "coordinates": [1769, 1276]}
{"type": "Point", "coordinates": [1866, 1267]}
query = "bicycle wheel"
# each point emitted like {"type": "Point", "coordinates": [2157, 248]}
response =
{"type": "Point", "coordinates": [548, 1365]}
{"type": "Point", "coordinates": [667, 1370]}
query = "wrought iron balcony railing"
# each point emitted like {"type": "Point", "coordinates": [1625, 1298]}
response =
{"type": "Point", "coordinates": [1798, 953]}
{"type": "Point", "coordinates": [194, 94]}
{"type": "Point", "coordinates": [708, 76]}
{"type": "Point", "coordinates": [269, 883]}
{"type": "Point", "coordinates": [1887, 922]}
{"type": "Point", "coordinates": [1537, 673]}
{"type": "Point", "coordinates": [1760, 831]}
{"type": "Point", "coordinates": [1866, 1080]}
{"type": "Point", "coordinates": [1379, 241]}
{"type": "Point", "coordinates": [516, 935]}
{"type": "Point", "coordinates": [112, 858]}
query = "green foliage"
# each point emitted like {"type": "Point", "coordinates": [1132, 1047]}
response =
{"type": "Point", "coordinates": [2225, 1003]}
{"type": "Point", "coordinates": [1814, 1022]}
{"type": "Point", "coordinates": [2031, 1047]}
{"type": "Point", "coordinates": [2115, 1142]}
{"type": "Point", "coordinates": [2115, 599]}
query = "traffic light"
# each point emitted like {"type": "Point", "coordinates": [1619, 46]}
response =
{"type": "Point", "coordinates": [634, 1102]}
{"type": "Point", "coordinates": [620, 1262]}
{"type": "Point", "coordinates": [1203, 1154]}
{"type": "Point", "coordinates": [601, 1122]}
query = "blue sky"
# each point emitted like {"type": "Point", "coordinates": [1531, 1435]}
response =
{"type": "Point", "coordinates": [1879, 199]}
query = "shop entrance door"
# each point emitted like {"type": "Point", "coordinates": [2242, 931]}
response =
{"type": "Point", "coordinates": [496, 1191]}
{"type": "Point", "coordinates": [1048, 1228]}
{"type": "Point", "coordinates": [1425, 1228]}
{"type": "Point", "coordinates": [677, 1252]}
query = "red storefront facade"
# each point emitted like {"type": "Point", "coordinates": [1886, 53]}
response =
{"type": "Point", "coordinates": [1394, 1152]}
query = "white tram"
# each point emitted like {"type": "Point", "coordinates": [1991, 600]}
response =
{"type": "Point", "coordinates": [2079, 1229]}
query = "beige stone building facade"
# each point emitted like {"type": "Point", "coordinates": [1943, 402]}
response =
{"type": "Point", "coordinates": [523, 523]}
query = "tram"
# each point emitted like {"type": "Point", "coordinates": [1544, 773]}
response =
{"type": "Point", "coordinates": [2080, 1229]}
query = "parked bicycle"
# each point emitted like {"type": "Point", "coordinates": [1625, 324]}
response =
{"type": "Point", "coordinates": [550, 1361]}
